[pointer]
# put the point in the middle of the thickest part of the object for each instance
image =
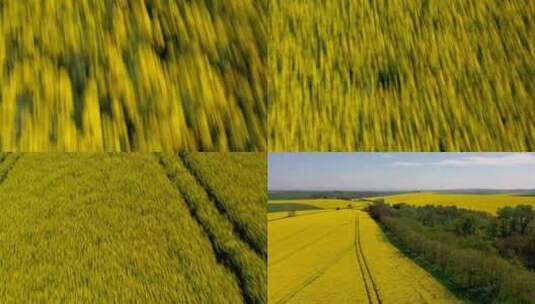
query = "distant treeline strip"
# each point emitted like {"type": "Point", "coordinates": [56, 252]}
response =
{"type": "Point", "coordinates": [288, 195]}
{"type": "Point", "coordinates": [235, 254]}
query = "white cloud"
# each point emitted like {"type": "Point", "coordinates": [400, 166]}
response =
{"type": "Point", "coordinates": [408, 164]}
{"type": "Point", "coordinates": [385, 155]}
{"type": "Point", "coordinates": [505, 160]}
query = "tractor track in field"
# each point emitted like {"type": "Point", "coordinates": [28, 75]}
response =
{"type": "Point", "coordinates": [223, 256]}
{"type": "Point", "coordinates": [5, 158]}
{"type": "Point", "coordinates": [238, 229]}
{"type": "Point", "coordinates": [310, 279]}
{"type": "Point", "coordinates": [372, 292]}
{"type": "Point", "coordinates": [206, 232]}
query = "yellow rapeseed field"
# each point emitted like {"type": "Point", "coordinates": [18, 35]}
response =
{"type": "Point", "coordinates": [312, 260]}
{"type": "Point", "coordinates": [133, 75]}
{"type": "Point", "coordinates": [341, 256]}
{"type": "Point", "coordinates": [398, 278]}
{"type": "Point", "coordinates": [129, 228]}
{"type": "Point", "coordinates": [481, 202]}
{"type": "Point", "coordinates": [401, 75]}
{"type": "Point", "coordinates": [320, 203]}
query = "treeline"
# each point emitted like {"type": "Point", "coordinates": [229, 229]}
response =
{"type": "Point", "coordinates": [489, 259]}
{"type": "Point", "coordinates": [122, 75]}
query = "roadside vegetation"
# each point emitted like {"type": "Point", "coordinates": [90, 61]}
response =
{"type": "Point", "coordinates": [487, 258]}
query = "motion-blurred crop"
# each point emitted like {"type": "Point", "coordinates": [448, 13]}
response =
{"type": "Point", "coordinates": [401, 75]}
{"type": "Point", "coordinates": [118, 75]}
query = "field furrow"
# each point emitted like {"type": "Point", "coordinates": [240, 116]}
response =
{"type": "Point", "coordinates": [238, 257]}
{"type": "Point", "coordinates": [7, 161]}
{"type": "Point", "coordinates": [342, 256]}
{"type": "Point", "coordinates": [312, 253]}
{"type": "Point", "coordinates": [372, 292]}
{"type": "Point", "coordinates": [243, 206]}
{"type": "Point", "coordinates": [398, 278]}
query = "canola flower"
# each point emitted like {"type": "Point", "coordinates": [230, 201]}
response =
{"type": "Point", "coordinates": [394, 75]}
{"type": "Point", "coordinates": [140, 75]}
{"type": "Point", "coordinates": [343, 256]}
{"type": "Point", "coordinates": [480, 202]}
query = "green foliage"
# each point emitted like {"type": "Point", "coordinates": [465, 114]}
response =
{"type": "Point", "coordinates": [460, 246]}
{"type": "Point", "coordinates": [142, 75]}
{"type": "Point", "coordinates": [466, 225]}
{"type": "Point", "coordinates": [512, 221]}
{"type": "Point", "coordinates": [101, 228]}
{"type": "Point", "coordinates": [400, 75]}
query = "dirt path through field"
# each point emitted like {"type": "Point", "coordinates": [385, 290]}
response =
{"type": "Point", "coordinates": [312, 260]}
{"type": "Point", "coordinates": [398, 278]}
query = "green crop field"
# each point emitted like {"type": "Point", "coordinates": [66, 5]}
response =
{"type": "Point", "coordinates": [132, 227]}
{"type": "Point", "coordinates": [133, 75]}
{"type": "Point", "coordinates": [396, 75]}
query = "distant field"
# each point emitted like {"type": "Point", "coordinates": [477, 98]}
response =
{"type": "Point", "coordinates": [482, 202]}
{"type": "Point", "coordinates": [341, 256]}
{"type": "Point", "coordinates": [300, 204]}
{"type": "Point", "coordinates": [100, 228]}
{"type": "Point", "coordinates": [289, 207]}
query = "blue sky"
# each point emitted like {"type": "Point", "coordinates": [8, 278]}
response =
{"type": "Point", "coordinates": [400, 171]}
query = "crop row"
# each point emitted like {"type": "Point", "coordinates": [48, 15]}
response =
{"type": "Point", "coordinates": [244, 203]}
{"type": "Point", "coordinates": [236, 254]}
{"type": "Point", "coordinates": [7, 161]}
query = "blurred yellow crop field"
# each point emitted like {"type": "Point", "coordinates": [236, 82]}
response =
{"type": "Point", "coordinates": [139, 75]}
{"type": "Point", "coordinates": [482, 202]}
{"type": "Point", "coordinates": [396, 75]}
{"type": "Point", "coordinates": [341, 256]}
